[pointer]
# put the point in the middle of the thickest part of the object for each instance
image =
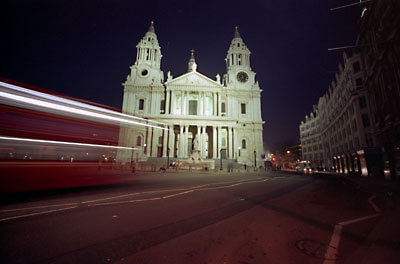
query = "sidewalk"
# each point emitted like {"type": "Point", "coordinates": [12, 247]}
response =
{"type": "Point", "coordinates": [382, 244]}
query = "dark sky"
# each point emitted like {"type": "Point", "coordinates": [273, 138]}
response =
{"type": "Point", "coordinates": [84, 48]}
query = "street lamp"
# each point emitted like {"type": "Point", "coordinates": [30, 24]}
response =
{"type": "Point", "coordinates": [132, 154]}
{"type": "Point", "coordinates": [255, 159]}
{"type": "Point", "coordinates": [220, 163]}
{"type": "Point", "coordinates": [167, 158]}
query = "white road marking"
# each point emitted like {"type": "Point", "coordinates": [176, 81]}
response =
{"type": "Point", "coordinates": [333, 248]}
{"type": "Point", "coordinates": [176, 194]}
{"type": "Point", "coordinates": [123, 202]}
{"type": "Point", "coordinates": [332, 251]}
{"type": "Point", "coordinates": [358, 219]}
{"type": "Point", "coordinates": [373, 204]}
{"type": "Point", "coordinates": [36, 207]}
{"type": "Point", "coordinates": [185, 191]}
{"type": "Point", "coordinates": [164, 190]}
{"type": "Point", "coordinates": [45, 212]}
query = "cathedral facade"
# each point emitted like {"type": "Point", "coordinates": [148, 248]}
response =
{"type": "Point", "coordinates": [221, 117]}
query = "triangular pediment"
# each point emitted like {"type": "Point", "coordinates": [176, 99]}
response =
{"type": "Point", "coordinates": [193, 78]}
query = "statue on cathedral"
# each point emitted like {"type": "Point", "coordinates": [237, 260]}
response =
{"type": "Point", "coordinates": [218, 78]}
{"type": "Point", "coordinates": [169, 76]}
{"type": "Point", "coordinates": [196, 143]}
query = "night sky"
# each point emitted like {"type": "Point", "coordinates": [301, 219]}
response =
{"type": "Point", "coordinates": [84, 48]}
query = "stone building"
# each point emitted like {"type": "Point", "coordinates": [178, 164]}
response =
{"type": "Point", "coordinates": [338, 134]}
{"type": "Point", "coordinates": [220, 117]}
{"type": "Point", "coordinates": [379, 44]}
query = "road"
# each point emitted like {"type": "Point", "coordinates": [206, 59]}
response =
{"type": "Point", "coordinates": [269, 217]}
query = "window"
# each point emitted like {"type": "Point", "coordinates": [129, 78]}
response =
{"type": "Point", "coordinates": [368, 140]}
{"type": "Point", "coordinates": [192, 107]}
{"type": "Point", "coordinates": [362, 101]}
{"type": "Point", "coordinates": [141, 104]}
{"type": "Point", "coordinates": [365, 120]}
{"type": "Point", "coordinates": [243, 108]}
{"type": "Point", "coordinates": [359, 82]}
{"type": "Point", "coordinates": [243, 143]}
{"type": "Point", "coordinates": [356, 67]}
{"type": "Point", "coordinates": [160, 140]}
{"type": "Point", "coordinates": [139, 141]}
{"type": "Point", "coordinates": [222, 107]}
{"type": "Point", "coordinates": [223, 142]}
{"type": "Point", "coordinates": [162, 106]}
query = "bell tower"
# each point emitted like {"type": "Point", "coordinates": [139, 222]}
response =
{"type": "Point", "coordinates": [146, 70]}
{"type": "Point", "coordinates": [239, 74]}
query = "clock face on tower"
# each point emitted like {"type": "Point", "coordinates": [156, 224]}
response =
{"type": "Point", "coordinates": [242, 77]}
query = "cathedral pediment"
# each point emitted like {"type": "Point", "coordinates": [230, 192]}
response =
{"type": "Point", "coordinates": [193, 78]}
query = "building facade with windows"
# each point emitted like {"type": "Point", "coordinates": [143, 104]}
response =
{"type": "Point", "coordinates": [379, 44]}
{"type": "Point", "coordinates": [221, 117]}
{"type": "Point", "coordinates": [338, 134]}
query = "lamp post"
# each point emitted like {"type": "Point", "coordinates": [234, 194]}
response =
{"type": "Point", "coordinates": [132, 154]}
{"type": "Point", "coordinates": [220, 156]}
{"type": "Point", "coordinates": [255, 159]}
{"type": "Point", "coordinates": [167, 158]}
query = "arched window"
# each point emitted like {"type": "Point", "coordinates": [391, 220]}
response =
{"type": "Point", "coordinates": [243, 143]}
{"type": "Point", "coordinates": [139, 141]}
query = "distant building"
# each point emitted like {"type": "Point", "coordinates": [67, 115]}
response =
{"type": "Point", "coordinates": [291, 156]}
{"type": "Point", "coordinates": [338, 134]}
{"type": "Point", "coordinates": [219, 117]}
{"type": "Point", "coordinates": [379, 44]}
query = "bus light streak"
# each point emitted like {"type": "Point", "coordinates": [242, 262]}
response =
{"type": "Point", "coordinates": [72, 102]}
{"type": "Point", "coordinates": [64, 142]}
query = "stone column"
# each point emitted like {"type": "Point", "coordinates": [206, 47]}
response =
{"type": "Point", "coordinates": [234, 140]}
{"type": "Point", "coordinates": [165, 141]}
{"type": "Point", "coordinates": [187, 103]}
{"type": "Point", "coordinates": [171, 144]}
{"type": "Point", "coordinates": [199, 137]}
{"type": "Point", "coordinates": [203, 143]}
{"type": "Point", "coordinates": [180, 151]}
{"type": "Point", "coordinates": [214, 156]}
{"type": "Point", "coordinates": [204, 104]}
{"type": "Point", "coordinates": [186, 146]}
{"type": "Point", "coordinates": [148, 142]}
{"type": "Point", "coordinates": [215, 104]}
{"type": "Point", "coordinates": [218, 103]}
{"type": "Point", "coordinates": [182, 100]}
{"type": "Point", "coordinates": [173, 98]}
{"type": "Point", "coordinates": [201, 103]}
{"type": "Point", "coordinates": [167, 99]}
{"type": "Point", "coordinates": [219, 142]}
{"type": "Point", "coordinates": [230, 146]}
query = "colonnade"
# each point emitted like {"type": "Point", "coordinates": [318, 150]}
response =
{"type": "Point", "coordinates": [175, 141]}
{"type": "Point", "coordinates": [171, 96]}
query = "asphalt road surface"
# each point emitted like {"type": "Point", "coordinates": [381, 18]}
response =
{"type": "Point", "coordinates": [268, 217]}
